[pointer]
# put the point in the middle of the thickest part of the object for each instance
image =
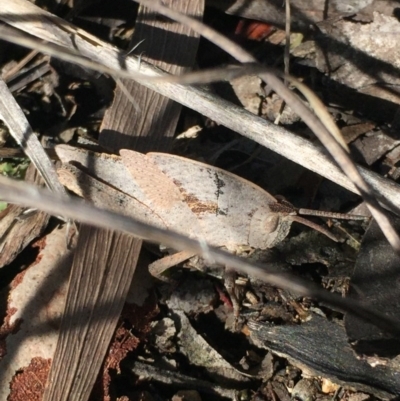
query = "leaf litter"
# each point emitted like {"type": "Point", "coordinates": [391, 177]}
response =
{"type": "Point", "coordinates": [164, 344]}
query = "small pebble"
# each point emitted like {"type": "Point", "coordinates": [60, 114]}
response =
{"type": "Point", "coordinates": [304, 390]}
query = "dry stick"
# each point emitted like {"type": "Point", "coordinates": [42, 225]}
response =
{"type": "Point", "coordinates": [322, 132]}
{"type": "Point", "coordinates": [15, 119]}
{"type": "Point", "coordinates": [72, 56]}
{"type": "Point", "coordinates": [21, 193]}
{"type": "Point", "coordinates": [10, 73]}
{"type": "Point", "coordinates": [286, 56]}
{"type": "Point", "coordinates": [53, 29]}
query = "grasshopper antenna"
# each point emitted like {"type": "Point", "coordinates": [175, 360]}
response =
{"type": "Point", "coordinates": [332, 215]}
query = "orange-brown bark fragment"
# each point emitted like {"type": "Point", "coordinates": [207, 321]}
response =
{"type": "Point", "coordinates": [29, 384]}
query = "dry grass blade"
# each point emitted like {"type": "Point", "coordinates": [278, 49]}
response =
{"type": "Point", "coordinates": [21, 193]}
{"type": "Point", "coordinates": [20, 129]}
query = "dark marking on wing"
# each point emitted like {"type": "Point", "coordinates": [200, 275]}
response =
{"type": "Point", "coordinates": [219, 183]}
{"type": "Point", "coordinates": [251, 213]}
{"type": "Point", "coordinates": [196, 205]}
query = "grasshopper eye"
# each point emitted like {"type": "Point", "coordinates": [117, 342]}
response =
{"type": "Point", "coordinates": [265, 229]}
{"type": "Point", "coordinates": [271, 223]}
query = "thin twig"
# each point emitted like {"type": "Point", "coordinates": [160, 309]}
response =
{"type": "Point", "coordinates": [28, 195]}
{"type": "Point", "coordinates": [72, 56]}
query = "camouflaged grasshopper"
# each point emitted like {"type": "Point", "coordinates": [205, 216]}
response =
{"type": "Point", "coordinates": [189, 197]}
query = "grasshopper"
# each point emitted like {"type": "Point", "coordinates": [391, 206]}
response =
{"type": "Point", "coordinates": [189, 197]}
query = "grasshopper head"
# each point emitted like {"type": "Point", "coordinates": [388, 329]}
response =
{"type": "Point", "coordinates": [271, 224]}
{"type": "Point", "coordinates": [268, 228]}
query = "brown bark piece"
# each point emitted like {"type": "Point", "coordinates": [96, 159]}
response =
{"type": "Point", "coordinates": [35, 302]}
{"type": "Point", "coordinates": [26, 385]}
{"type": "Point", "coordinates": [171, 47]}
{"type": "Point", "coordinates": [321, 347]}
{"type": "Point", "coordinates": [101, 274]}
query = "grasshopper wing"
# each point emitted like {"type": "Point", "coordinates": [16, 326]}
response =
{"type": "Point", "coordinates": [107, 168]}
{"type": "Point", "coordinates": [225, 204]}
{"type": "Point", "coordinates": [162, 195]}
{"type": "Point", "coordinates": [105, 196]}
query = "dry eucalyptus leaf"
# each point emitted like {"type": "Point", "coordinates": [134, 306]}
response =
{"type": "Point", "coordinates": [200, 353]}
